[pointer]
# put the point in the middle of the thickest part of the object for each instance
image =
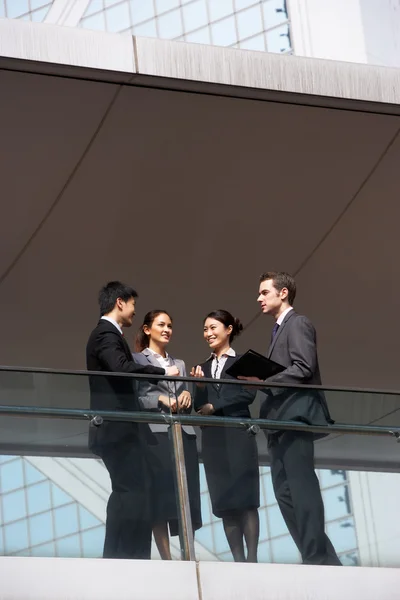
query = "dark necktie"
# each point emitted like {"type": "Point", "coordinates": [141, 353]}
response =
{"type": "Point", "coordinates": [274, 332]}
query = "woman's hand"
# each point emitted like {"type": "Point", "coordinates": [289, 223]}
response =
{"type": "Point", "coordinates": [184, 400]}
{"type": "Point", "coordinates": [197, 372]}
{"type": "Point", "coordinates": [206, 409]}
{"type": "Point", "coordinates": [168, 402]}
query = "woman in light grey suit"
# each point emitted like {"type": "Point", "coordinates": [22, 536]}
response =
{"type": "Point", "coordinates": [163, 396]}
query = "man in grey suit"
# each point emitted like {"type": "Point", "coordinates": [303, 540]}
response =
{"type": "Point", "coordinates": [293, 345]}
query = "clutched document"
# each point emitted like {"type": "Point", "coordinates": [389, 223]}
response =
{"type": "Point", "coordinates": [254, 364]}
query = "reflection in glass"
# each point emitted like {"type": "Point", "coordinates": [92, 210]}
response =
{"type": "Point", "coordinates": [93, 6]}
{"type": "Point", "coordinates": [274, 12]}
{"type": "Point", "coordinates": [41, 528]}
{"type": "Point", "coordinates": [15, 537]}
{"type": "Point", "coordinates": [147, 29]}
{"type": "Point", "coordinates": [11, 476]}
{"type": "Point", "coordinates": [141, 10]}
{"type": "Point", "coordinates": [38, 16]}
{"type": "Point", "coordinates": [278, 40]}
{"type": "Point", "coordinates": [95, 23]}
{"type": "Point", "coordinates": [277, 525]}
{"type": "Point", "coordinates": [14, 507]}
{"type": "Point", "coordinates": [164, 5]}
{"type": "Point", "coordinates": [202, 36]}
{"type": "Point", "coordinates": [342, 534]}
{"type": "Point", "coordinates": [336, 502]}
{"type": "Point", "coordinates": [255, 43]}
{"type": "Point", "coordinates": [284, 551]}
{"type": "Point", "coordinates": [16, 8]}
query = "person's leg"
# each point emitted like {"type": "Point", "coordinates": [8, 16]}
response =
{"type": "Point", "coordinates": [161, 537]}
{"type": "Point", "coordinates": [251, 531]}
{"type": "Point", "coordinates": [234, 535]}
{"type": "Point", "coordinates": [298, 460]}
{"type": "Point", "coordinates": [128, 524]}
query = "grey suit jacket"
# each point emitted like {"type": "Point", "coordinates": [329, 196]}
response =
{"type": "Point", "coordinates": [295, 347]}
{"type": "Point", "coordinates": [149, 391]}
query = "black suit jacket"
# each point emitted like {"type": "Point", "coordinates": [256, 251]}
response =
{"type": "Point", "coordinates": [227, 400]}
{"type": "Point", "coordinates": [295, 347]}
{"type": "Point", "coordinates": [107, 350]}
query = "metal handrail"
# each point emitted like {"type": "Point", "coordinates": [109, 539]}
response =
{"type": "Point", "coordinates": [194, 420]}
{"type": "Point", "coordinates": [194, 380]}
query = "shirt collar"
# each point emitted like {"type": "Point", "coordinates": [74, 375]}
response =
{"type": "Point", "coordinates": [229, 352]}
{"type": "Point", "coordinates": [110, 320]}
{"type": "Point", "coordinates": [166, 357]}
{"type": "Point", "coordinates": [279, 321]}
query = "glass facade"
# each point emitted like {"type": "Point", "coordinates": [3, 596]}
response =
{"type": "Point", "coordinates": [38, 518]}
{"type": "Point", "coordinates": [242, 24]}
{"type": "Point", "coordinates": [26, 10]}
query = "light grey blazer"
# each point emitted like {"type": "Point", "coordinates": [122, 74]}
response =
{"type": "Point", "coordinates": [149, 391]}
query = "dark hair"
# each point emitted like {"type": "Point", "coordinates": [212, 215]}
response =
{"type": "Point", "coordinates": [225, 317]}
{"type": "Point", "coordinates": [109, 294]}
{"type": "Point", "coordinates": [281, 280]}
{"type": "Point", "coordinates": [142, 340]}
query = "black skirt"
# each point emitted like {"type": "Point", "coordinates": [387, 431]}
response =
{"type": "Point", "coordinates": [230, 458]}
{"type": "Point", "coordinates": [164, 495]}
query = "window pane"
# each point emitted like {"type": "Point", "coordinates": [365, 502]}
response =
{"type": "Point", "coordinates": [59, 497]}
{"type": "Point", "coordinates": [329, 477]}
{"type": "Point", "coordinates": [264, 552]}
{"type": "Point", "coordinates": [14, 507]}
{"type": "Point", "coordinates": [38, 497]}
{"type": "Point", "coordinates": [110, 2]}
{"type": "Point", "coordinates": [284, 551]}
{"type": "Point", "coordinates": [94, 6]}
{"type": "Point", "coordinates": [41, 528]}
{"type": "Point", "coordinates": [170, 25]}
{"type": "Point", "coordinates": [342, 535]}
{"type": "Point", "coordinates": [66, 520]}
{"type": "Point", "coordinates": [44, 550]}
{"type": "Point", "coordinates": [195, 15]}
{"type": "Point", "coordinates": [2, 14]}
{"type": "Point", "coordinates": [38, 3]}
{"type": "Point", "coordinates": [202, 36]}
{"type": "Point", "coordinates": [39, 15]}
{"type": "Point", "coordinates": [69, 547]}
{"type": "Point", "coordinates": [16, 8]}
{"type": "Point", "coordinates": [244, 3]}
{"type": "Point", "coordinates": [141, 10]}
{"type": "Point", "coordinates": [86, 519]}
{"type": "Point", "coordinates": [32, 475]}
{"type": "Point", "coordinates": [255, 43]}
{"type": "Point", "coordinates": [11, 475]}
{"type": "Point", "coordinates": [118, 18]}
{"type": "Point", "coordinates": [164, 5]}
{"type": "Point", "coordinates": [278, 39]}
{"type": "Point", "coordinates": [274, 13]}
{"type": "Point", "coordinates": [16, 536]}
{"type": "Point", "coordinates": [220, 8]}
{"type": "Point", "coordinates": [336, 502]}
{"type": "Point", "coordinates": [277, 525]}
{"type": "Point", "coordinates": [96, 23]}
{"type": "Point", "coordinates": [93, 542]}
{"type": "Point", "coordinates": [224, 32]}
{"type": "Point", "coordinates": [146, 29]}
{"type": "Point", "coordinates": [249, 22]}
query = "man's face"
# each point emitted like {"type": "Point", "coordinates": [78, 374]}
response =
{"type": "Point", "coordinates": [269, 298]}
{"type": "Point", "coordinates": [127, 311]}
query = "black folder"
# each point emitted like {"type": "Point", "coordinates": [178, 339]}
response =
{"type": "Point", "coordinates": [254, 364]}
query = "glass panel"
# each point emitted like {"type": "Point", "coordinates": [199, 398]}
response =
{"type": "Point", "coordinates": [39, 4]}
{"type": "Point", "coordinates": [94, 6]}
{"type": "Point", "coordinates": [170, 25]}
{"type": "Point", "coordinates": [16, 8]}
{"type": "Point", "coordinates": [224, 32]}
{"type": "Point", "coordinates": [2, 9]}
{"type": "Point", "coordinates": [195, 15]}
{"type": "Point", "coordinates": [244, 3]}
{"type": "Point", "coordinates": [39, 15]}
{"type": "Point", "coordinates": [220, 9]}
{"type": "Point", "coordinates": [274, 12]}
{"type": "Point", "coordinates": [202, 36]}
{"type": "Point", "coordinates": [147, 29]}
{"type": "Point", "coordinates": [278, 40]}
{"type": "Point", "coordinates": [249, 22]}
{"type": "Point", "coordinates": [118, 18]}
{"type": "Point", "coordinates": [96, 23]}
{"type": "Point", "coordinates": [141, 10]}
{"type": "Point", "coordinates": [164, 5]}
{"type": "Point", "coordinates": [255, 43]}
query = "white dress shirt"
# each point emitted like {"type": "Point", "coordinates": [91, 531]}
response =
{"type": "Point", "coordinates": [218, 364]}
{"type": "Point", "coordinates": [164, 361]}
{"type": "Point", "coordinates": [283, 315]}
{"type": "Point", "coordinates": [114, 323]}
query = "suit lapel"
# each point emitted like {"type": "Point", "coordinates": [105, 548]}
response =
{"type": "Point", "coordinates": [150, 357]}
{"type": "Point", "coordinates": [278, 333]}
{"type": "Point", "coordinates": [229, 361]}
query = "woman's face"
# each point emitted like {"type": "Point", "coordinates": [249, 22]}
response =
{"type": "Point", "coordinates": [160, 330]}
{"type": "Point", "coordinates": [216, 334]}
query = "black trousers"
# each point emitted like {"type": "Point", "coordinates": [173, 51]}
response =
{"type": "Point", "coordinates": [297, 491]}
{"type": "Point", "coordinates": [128, 523]}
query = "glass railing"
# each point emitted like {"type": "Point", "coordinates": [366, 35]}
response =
{"type": "Point", "coordinates": [355, 32]}
{"type": "Point", "coordinates": [194, 486]}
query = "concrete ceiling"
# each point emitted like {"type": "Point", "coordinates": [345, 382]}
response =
{"type": "Point", "coordinates": [189, 197]}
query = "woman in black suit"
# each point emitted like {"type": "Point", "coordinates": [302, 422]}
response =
{"type": "Point", "coordinates": [230, 454]}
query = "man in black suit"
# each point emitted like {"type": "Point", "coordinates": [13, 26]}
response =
{"type": "Point", "coordinates": [121, 445]}
{"type": "Point", "coordinates": [293, 345]}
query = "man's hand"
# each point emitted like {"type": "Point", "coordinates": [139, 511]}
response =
{"type": "Point", "coordinates": [206, 409]}
{"type": "Point", "coordinates": [184, 400]}
{"type": "Point", "coordinates": [250, 379]}
{"type": "Point", "coordinates": [172, 371]}
{"type": "Point", "coordinates": [168, 402]}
